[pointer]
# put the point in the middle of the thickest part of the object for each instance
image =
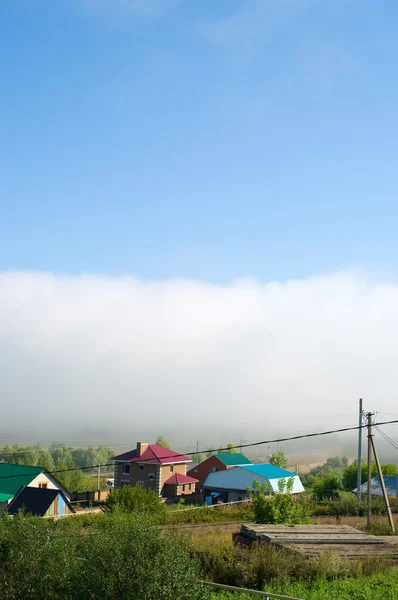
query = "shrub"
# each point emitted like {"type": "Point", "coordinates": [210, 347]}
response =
{"type": "Point", "coordinates": [326, 486]}
{"type": "Point", "coordinates": [277, 508]}
{"type": "Point", "coordinates": [121, 556]}
{"type": "Point", "coordinates": [136, 499]}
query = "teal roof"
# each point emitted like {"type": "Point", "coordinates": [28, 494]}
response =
{"type": "Point", "coordinates": [13, 477]}
{"type": "Point", "coordinates": [269, 471]}
{"type": "Point", "coordinates": [233, 460]}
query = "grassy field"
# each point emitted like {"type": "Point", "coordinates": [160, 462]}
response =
{"type": "Point", "coordinates": [206, 514]}
{"type": "Point", "coordinates": [379, 586]}
{"type": "Point", "coordinates": [263, 567]}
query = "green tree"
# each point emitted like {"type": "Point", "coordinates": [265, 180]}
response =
{"type": "Point", "coordinates": [278, 459]}
{"type": "Point", "coordinates": [349, 478]}
{"type": "Point", "coordinates": [230, 449]}
{"type": "Point", "coordinates": [162, 442]}
{"type": "Point", "coordinates": [123, 556]}
{"type": "Point", "coordinates": [135, 499]}
{"type": "Point", "coordinates": [211, 452]}
{"type": "Point", "coordinates": [326, 486]}
{"type": "Point", "coordinates": [198, 458]}
{"type": "Point", "coordinates": [281, 507]}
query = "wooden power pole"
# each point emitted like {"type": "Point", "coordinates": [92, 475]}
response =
{"type": "Point", "coordinates": [369, 416]}
{"type": "Point", "coordinates": [372, 448]}
{"type": "Point", "coordinates": [359, 472]}
{"type": "Point", "coordinates": [383, 486]}
{"type": "Point", "coordinates": [98, 482]}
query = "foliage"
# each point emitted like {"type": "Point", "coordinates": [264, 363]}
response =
{"type": "Point", "coordinates": [265, 567]}
{"type": "Point", "coordinates": [334, 465]}
{"type": "Point", "coordinates": [277, 508]}
{"type": "Point", "coordinates": [135, 499]}
{"type": "Point", "coordinates": [278, 459]}
{"type": "Point", "coordinates": [378, 586]}
{"type": "Point", "coordinates": [230, 449]}
{"type": "Point", "coordinates": [198, 458]}
{"type": "Point", "coordinates": [120, 556]}
{"type": "Point", "coordinates": [209, 514]}
{"type": "Point", "coordinates": [162, 442]}
{"type": "Point", "coordinates": [210, 452]}
{"type": "Point", "coordinates": [326, 486]}
{"type": "Point", "coordinates": [59, 458]}
{"type": "Point", "coordinates": [349, 478]}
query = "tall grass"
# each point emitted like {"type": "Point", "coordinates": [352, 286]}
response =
{"type": "Point", "coordinates": [375, 587]}
{"type": "Point", "coordinates": [262, 565]}
{"type": "Point", "coordinates": [209, 514]}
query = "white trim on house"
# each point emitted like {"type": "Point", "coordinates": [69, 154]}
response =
{"type": "Point", "coordinates": [52, 484]}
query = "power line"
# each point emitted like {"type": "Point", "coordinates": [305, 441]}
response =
{"type": "Point", "coordinates": [387, 438]}
{"type": "Point", "coordinates": [250, 445]}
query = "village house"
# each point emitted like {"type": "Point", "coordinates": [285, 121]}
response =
{"type": "Point", "coordinates": [231, 485]}
{"type": "Point", "coordinates": [157, 468]}
{"type": "Point", "coordinates": [15, 477]}
{"type": "Point", "coordinates": [41, 502]}
{"type": "Point", "coordinates": [390, 483]}
{"type": "Point", "coordinates": [217, 462]}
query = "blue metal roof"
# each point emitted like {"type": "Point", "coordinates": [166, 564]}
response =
{"type": "Point", "coordinates": [391, 483]}
{"type": "Point", "coordinates": [269, 471]}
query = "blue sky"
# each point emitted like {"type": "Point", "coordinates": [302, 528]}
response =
{"type": "Point", "coordinates": [207, 140]}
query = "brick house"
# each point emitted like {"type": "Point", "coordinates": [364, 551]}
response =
{"type": "Point", "coordinates": [157, 468]}
{"type": "Point", "coordinates": [217, 462]}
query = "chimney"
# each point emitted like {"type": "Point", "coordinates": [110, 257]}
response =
{"type": "Point", "coordinates": [141, 447]}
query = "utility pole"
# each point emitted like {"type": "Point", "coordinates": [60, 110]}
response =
{"type": "Point", "coordinates": [383, 487]}
{"type": "Point", "coordinates": [98, 481]}
{"type": "Point", "coordinates": [369, 416]}
{"type": "Point", "coordinates": [359, 474]}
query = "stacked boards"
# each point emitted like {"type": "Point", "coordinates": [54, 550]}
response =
{"type": "Point", "coordinates": [314, 540]}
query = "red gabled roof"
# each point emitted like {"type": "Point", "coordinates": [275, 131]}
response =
{"type": "Point", "coordinates": [154, 454]}
{"type": "Point", "coordinates": [179, 479]}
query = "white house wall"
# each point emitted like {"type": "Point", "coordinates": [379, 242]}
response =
{"type": "Point", "coordinates": [232, 479]}
{"type": "Point", "coordinates": [51, 483]}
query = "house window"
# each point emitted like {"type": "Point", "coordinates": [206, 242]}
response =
{"type": "Point", "coordinates": [141, 467]}
{"type": "Point", "coordinates": [43, 485]}
{"type": "Point", "coordinates": [171, 468]}
{"type": "Point", "coordinates": [183, 488]}
{"type": "Point", "coordinates": [141, 483]}
{"type": "Point", "coordinates": [126, 469]}
{"type": "Point", "coordinates": [195, 470]}
{"type": "Point", "coordinates": [190, 487]}
{"type": "Point", "coordinates": [151, 476]}
{"type": "Point", "coordinates": [212, 469]}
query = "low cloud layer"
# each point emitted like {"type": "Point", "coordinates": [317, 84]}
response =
{"type": "Point", "coordinates": [116, 359]}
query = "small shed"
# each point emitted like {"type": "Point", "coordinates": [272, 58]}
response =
{"type": "Point", "coordinates": [41, 502]}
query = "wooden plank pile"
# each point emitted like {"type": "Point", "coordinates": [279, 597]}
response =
{"type": "Point", "coordinates": [312, 540]}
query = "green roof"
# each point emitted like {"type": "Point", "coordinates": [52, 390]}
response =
{"type": "Point", "coordinates": [233, 460]}
{"type": "Point", "coordinates": [13, 477]}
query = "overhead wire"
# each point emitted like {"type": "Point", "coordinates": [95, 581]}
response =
{"type": "Point", "coordinates": [386, 437]}
{"type": "Point", "coordinates": [226, 448]}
